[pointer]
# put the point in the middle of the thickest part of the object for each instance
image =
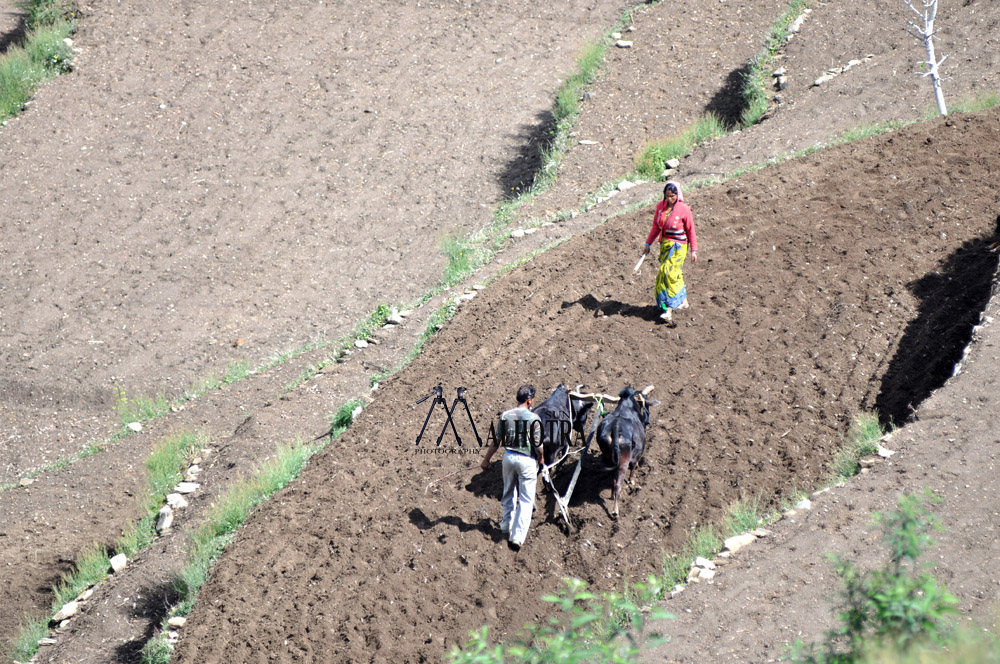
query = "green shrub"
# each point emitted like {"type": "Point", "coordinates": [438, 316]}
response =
{"type": "Point", "coordinates": [900, 605]}
{"type": "Point", "coordinates": [589, 628]}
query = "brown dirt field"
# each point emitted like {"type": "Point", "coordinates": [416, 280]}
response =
{"type": "Point", "coordinates": [195, 180]}
{"type": "Point", "coordinates": [810, 286]}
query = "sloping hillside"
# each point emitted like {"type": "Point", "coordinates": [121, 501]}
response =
{"type": "Point", "coordinates": [814, 278]}
{"type": "Point", "coordinates": [213, 186]}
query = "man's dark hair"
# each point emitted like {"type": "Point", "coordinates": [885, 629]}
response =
{"type": "Point", "coordinates": [525, 392]}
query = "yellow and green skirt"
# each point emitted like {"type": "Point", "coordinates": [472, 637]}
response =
{"type": "Point", "coordinates": [670, 289]}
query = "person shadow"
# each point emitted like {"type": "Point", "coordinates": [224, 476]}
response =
{"type": "Point", "coordinates": [485, 525]}
{"type": "Point", "coordinates": [649, 313]}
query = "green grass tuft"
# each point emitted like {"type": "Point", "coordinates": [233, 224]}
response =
{"type": "Point", "coordinates": [91, 568]}
{"type": "Point", "coordinates": [980, 102]}
{"type": "Point", "coordinates": [42, 56]}
{"type": "Point", "coordinates": [862, 440]}
{"type": "Point", "coordinates": [650, 162]}
{"type": "Point", "coordinates": [703, 542]}
{"type": "Point", "coordinates": [25, 644]}
{"type": "Point", "coordinates": [157, 650]}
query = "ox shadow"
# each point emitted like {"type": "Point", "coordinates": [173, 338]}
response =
{"type": "Point", "coordinates": [650, 313]}
{"type": "Point", "coordinates": [152, 607]}
{"type": "Point", "coordinates": [594, 479]}
{"type": "Point", "coordinates": [519, 172]}
{"type": "Point", "coordinates": [485, 525]}
{"type": "Point", "coordinates": [951, 302]}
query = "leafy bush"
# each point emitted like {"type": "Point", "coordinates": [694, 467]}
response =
{"type": "Point", "coordinates": [900, 606]}
{"type": "Point", "coordinates": [589, 628]}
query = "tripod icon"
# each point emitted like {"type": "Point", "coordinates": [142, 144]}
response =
{"type": "Point", "coordinates": [439, 399]}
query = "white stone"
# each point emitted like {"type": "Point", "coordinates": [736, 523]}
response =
{"type": "Point", "coordinates": [85, 595]}
{"type": "Point", "coordinates": [360, 343]}
{"type": "Point", "coordinates": [479, 287]}
{"type": "Point", "coordinates": [780, 71]}
{"type": "Point", "coordinates": [761, 532]}
{"type": "Point", "coordinates": [529, 231]}
{"type": "Point", "coordinates": [176, 501]}
{"type": "Point", "coordinates": [586, 142]}
{"type": "Point", "coordinates": [164, 519]}
{"type": "Point", "coordinates": [396, 319]}
{"type": "Point", "coordinates": [621, 43]}
{"type": "Point", "coordinates": [192, 473]}
{"type": "Point", "coordinates": [118, 562]}
{"type": "Point", "coordinates": [672, 163]}
{"type": "Point", "coordinates": [177, 621]}
{"type": "Point", "coordinates": [47, 641]}
{"type": "Point", "coordinates": [356, 412]}
{"type": "Point", "coordinates": [884, 453]}
{"type": "Point", "coordinates": [405, 313]}
{"type": "Point", "coordinates": [187, 487]}
{"type": "Point", "coordinates": [704, 563]}
{"type": "Point", "coordinates": [134, 426]}
{"type": "Point", "coordinates": [27, 481]}
{"type": "Point", "coordinates": [616, 35]}
{"type": "Point", "coordinates": [825, 78]}
{"type": "Point", "coordinates": [517, 232]}
{"type": "Point", "coordinates": [625, 184]}
{"type": "Point", "coordinates": [737, 542]}
{"type": "Point", "coordinates": [804, 504]}
{"type": "Point", "coordinates": [68, 610]}
{"type": "Point", "coordinates": [706, 574]}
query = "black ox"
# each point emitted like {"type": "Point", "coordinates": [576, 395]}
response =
{"type": "Point", "coordinates": [561, 414]}
{"type": "Point", "coordinates": [622, 436]}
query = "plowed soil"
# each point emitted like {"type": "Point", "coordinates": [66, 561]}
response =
{"type": "Point", "coordinates": [268, 175]}
{"type": "Point", "coordinates": [814, 280]}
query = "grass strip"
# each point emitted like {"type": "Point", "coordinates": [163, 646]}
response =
{"type": "Point", "coordinates": [43, 54]}
{"type": "Point", "coordinates": [466, 255]}
{"type": "Point", "coordinates": [650, 161]}
{"type": "Point", "coordinates": [757, 80]}
{"type": "Point", "coordinates": [163, 467]}
{"type": "Point", "coordinates": [208, 542]}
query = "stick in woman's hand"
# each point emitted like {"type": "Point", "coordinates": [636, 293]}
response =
{"type": "Point", "coordinates": [639, 264]}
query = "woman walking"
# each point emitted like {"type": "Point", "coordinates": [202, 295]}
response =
{"type": "Point", "coordinates": [674, 225]}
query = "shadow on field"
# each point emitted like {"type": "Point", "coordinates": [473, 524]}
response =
{"type": "Point", "coordinates": [729, 103]}
{"type": "Point", "coordinates": [519, 172]}
{"type": "Point", "coordinates": [951, 301]}
{"type": "Point", "coordinates": [152, 607]}
{"type": "Point", "coordinates": [15, 36]}
{"type": "Point", "coordinates": [649, 313]}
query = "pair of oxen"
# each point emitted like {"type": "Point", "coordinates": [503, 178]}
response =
{"type": "Point", "coordinates": [621, 435]}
